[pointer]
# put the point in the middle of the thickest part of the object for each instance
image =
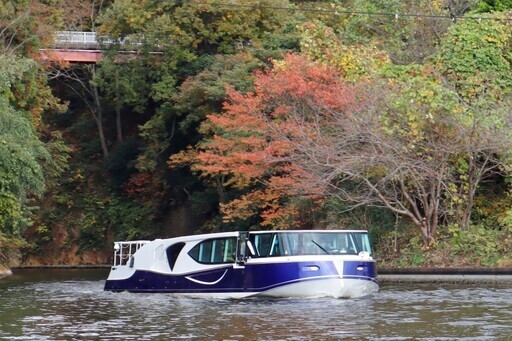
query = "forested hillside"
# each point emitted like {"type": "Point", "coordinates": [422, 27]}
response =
{"type": "Point", "coordinates": [386, 115]}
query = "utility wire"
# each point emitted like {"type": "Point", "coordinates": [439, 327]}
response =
{"type": "Point", "coordinates": [338, 12]}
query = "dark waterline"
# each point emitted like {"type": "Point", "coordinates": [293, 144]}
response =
{"type": "Point", "coordinates": [71, 305]}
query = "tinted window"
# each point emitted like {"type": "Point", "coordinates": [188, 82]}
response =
{"type": "Point", "coordinates": [172, 253]}
{"type": "Point", "coordinates": [309, 243]}
{"type": "Point", "coordinates": [265, 244]}
{"type": "Point", "coordinates": [215, 251]}
{"type": "Point", "coordinates": [261, 244]}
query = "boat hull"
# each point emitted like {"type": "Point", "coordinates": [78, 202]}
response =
{"type": "Point", "coordinates": [331, 287]}
{"type": "Point", "coordinates": [339, 279]}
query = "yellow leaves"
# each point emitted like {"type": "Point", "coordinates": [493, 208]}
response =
{"type": "Point", "coordinates": [378, 172]}
{"type": "Point", "coordinates": [183, 158]}
{"type": "Point", "coordinates": [279, 65]}
{"type": "Point", "coordinates": [438, 5]}
{"type": "Point", "coordinates": [137, 21]}
{"type": "Point", "coordinates": [354, 61]}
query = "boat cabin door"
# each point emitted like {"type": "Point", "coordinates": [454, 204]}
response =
{"type": "Point", "coordinates": [242, 248]}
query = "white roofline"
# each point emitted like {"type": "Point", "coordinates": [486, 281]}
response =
{"type": "Point", "coordinates": [235, 233]}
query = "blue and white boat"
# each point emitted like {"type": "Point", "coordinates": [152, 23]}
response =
{"type": "Point", "coordinates": [304, 263]}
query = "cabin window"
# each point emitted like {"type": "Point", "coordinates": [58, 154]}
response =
{"type": "Point", "coordinates": [172, 253]}
{"type": "Point", "coordinates": [266, 244]}
{"type": "Point", "coordinates": [309, 243]}
{"type": "Point", "coordinates": [215, 251]}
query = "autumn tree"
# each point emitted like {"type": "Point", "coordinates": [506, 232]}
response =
{"type": "Point", "coordinates": [26, 26]}
{"type": "Point", "coordinates": [303, 131]}
{"type": "Point", "coordinates": [476, 71]}
{"type": "Point", "coordinates": [236, 155]}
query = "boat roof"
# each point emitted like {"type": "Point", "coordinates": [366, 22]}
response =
{"type": "Point", "coordinates": [236, 233]}
{"type": "Point", "coordinates": [308, 231]}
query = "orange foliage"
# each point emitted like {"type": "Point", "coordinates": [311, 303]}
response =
{"type": "Point", "coordinates": [144, 186]}
{"type": "Point", "coordinates": [252, 137]}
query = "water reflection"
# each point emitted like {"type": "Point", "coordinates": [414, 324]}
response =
{"type": "Point", "coordinates": [39, 305]}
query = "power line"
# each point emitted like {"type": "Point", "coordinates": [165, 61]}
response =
{"type": "Point", "coordinates": [338, 12]}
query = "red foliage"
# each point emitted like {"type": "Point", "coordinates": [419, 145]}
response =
{"type": "Point", "coordinates": [253, 136]}
{"type": "Point", "coordinates": [144, 186]}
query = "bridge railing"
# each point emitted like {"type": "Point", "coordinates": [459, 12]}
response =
{"type": "Point", "coordinates": [89, 40]}
{"type": "Point", "coordinates": [72, 39]}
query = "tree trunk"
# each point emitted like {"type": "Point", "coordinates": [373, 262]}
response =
{"type": "Point", "coordinates": [99, 117]}
{"type": "Point", "coordinates": [119, 129]}
{"type": "Point", "coordinates": [428, 232]}
{"type": "Point", "coordinates": [220, 189]}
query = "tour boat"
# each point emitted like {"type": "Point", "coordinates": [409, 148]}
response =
{"type": "Point", "coordinates": [291, 263]}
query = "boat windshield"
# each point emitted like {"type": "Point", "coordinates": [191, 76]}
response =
{"type": "Point", "coordinates": [292, 243]}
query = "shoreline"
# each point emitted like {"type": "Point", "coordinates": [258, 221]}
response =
{"type": "Point", "coordinates": [63, 266]}
{"type": "Point", "coordinates": [469, 275]}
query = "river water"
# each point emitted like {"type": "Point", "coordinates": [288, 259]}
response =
{"type": "Point", "coordinates": [71, 305]}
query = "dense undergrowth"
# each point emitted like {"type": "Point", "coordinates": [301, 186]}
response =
{"type": "Point", "coordinates": [479, 246]}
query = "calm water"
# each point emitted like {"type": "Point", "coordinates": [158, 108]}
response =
{"type": "Point", "coordinates": [71, 305]}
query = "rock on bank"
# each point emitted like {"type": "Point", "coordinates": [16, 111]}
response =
{"type": "Point", "coordinates": [4, 271]}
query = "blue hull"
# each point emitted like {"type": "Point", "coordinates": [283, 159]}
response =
{"type": "Point", "coordinates": [251, 278]}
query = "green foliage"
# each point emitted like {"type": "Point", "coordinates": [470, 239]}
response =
{"type": "Point", "coordinates": [21, 154]}
{"type": "Point", "coordinates": [204, 93]}
{"type": "Point", "coordinates": [24, 159]}
{"type": "Point", "coordinates": [121, 161]}
{"type": "Point", "coordinates": [493, 5]}
{"type": "Point", "coordinates": [419, 107]}
{"type": "Point", "coordinates": [197, 28]}
{"type": "Point", "coordinates": [124, 83]}
{"type": "Point", "coordinates": [58, 163]}
{"type": "Point", "coordinates": [125, 219]}
{"type": "Point", "coordinates": [156, 134]}
{"type": "Point", "coordinates": [405, 39]}
{"type": "Point", "coordinates": [479, 245]}
{"type": "Point", "coordinates": [321, 43]}
{"type": "Point", "coordinates": [411, 253]}
{"type": "Point", "coordinates": [475, 58]}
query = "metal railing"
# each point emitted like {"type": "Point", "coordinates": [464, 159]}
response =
{"type": "Point", "coordinates": [72, 39]}
{"type": "Point", "coordinates": [123, 251]}
{"type": "Point", "coordinates": [90, 40]}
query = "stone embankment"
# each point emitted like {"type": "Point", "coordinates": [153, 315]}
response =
{"type": "Point", "coordinates": [385, 275]}
{"type": "Point", "coordinates": [446, 275]}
